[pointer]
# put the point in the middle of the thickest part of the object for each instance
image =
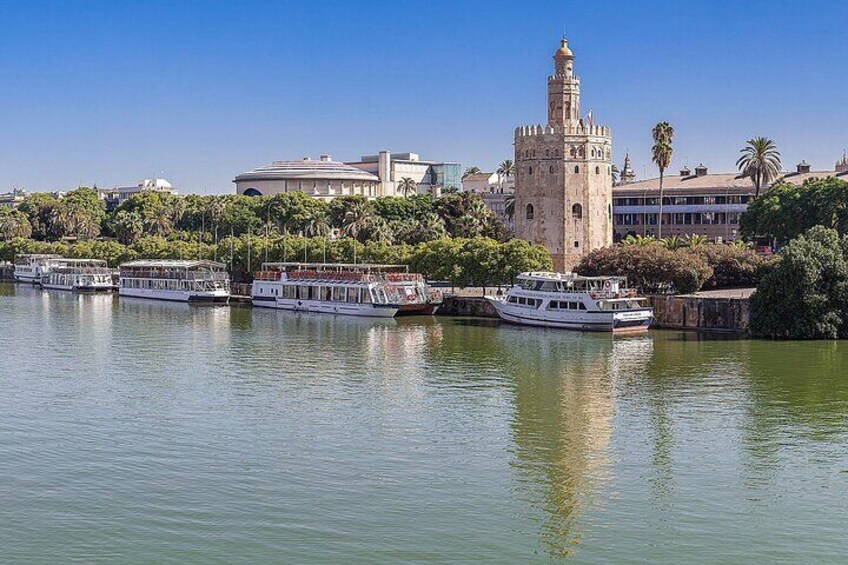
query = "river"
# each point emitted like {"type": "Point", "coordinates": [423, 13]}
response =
{"type": "Point", "coordinates": [138, 431]}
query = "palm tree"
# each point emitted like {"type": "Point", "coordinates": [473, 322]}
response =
{"type": "Point", "coordinates": [663, 135]}
{"type": "Point", "coordinates": [407, 187]}
{"type": "Point", "coordinates": [318, 226]}
{"type": "Point", "coordinates": [505, 170]}
{"type": "Point", "coordinates": [160, 222]}
{"type": "Point", "coordinates": [509, 206]}
{"type": "Point", "coordinates": [760, 160]}
{"type": "Point", "coordinates": [129, 227]}
{"type": "Point", "coordinates": [357, 219]}
{"type": "Point", "coordinates": [470, 171]}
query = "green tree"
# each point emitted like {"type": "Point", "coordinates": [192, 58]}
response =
{"type": "Point", "coordinates": [760, 160]}
{"type": "Point", "coordinates": [805, 296]}
{"type": "Point", "coordinates": [663, 135]}
{"type": "Point", "coordinates": [788, 210]}
{"type": "Point", "coordinates": [14, 224]}
{"type": "Point", "coordinates": [470, 171]}
{"type": "Point", "coordinates": [407, 187]}
{"type": "Point", "coordinates": [128, 227]}
{"type": "Point", "coordinates": [80, 214]}
{"type": "Point", "coordinates": [38, 208]}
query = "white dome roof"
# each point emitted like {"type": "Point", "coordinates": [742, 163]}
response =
{"type": "Point", "coordinates": [307, 169]}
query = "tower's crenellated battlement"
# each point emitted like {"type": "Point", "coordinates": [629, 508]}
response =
{"type": "Point", "coordinates": [571, 129]}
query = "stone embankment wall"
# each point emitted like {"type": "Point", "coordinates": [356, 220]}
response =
{"type": "Point", "coordinates": [710, 311]}
{"type": "Point", "coordinates": [704, 313]}
{"type": "Point", "coordinates": [7, 272]}
{"type": "Point", "coordinates": [473, 306]}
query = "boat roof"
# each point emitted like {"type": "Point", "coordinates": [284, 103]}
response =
{"type": "Point", "coordinates": [173, 263]}
{"type": "Point", "coordinates": [71, 262]}
{"type": "Point", "coordinates": [550, 276]}
{"type": "Point", "coordinates": [39, 255]}
{"type": "Point", "coordinates": [336, 266]}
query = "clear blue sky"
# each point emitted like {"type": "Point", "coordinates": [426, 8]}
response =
{"type": "Point", "coordinates": [111, 92]}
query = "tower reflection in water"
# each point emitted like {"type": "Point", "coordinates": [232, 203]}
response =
{"type": "Point", "coordinates": [564, 405]}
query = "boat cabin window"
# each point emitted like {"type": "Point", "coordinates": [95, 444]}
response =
{"type": "Point", "coordinates": [531, 302]}
{"type": "Point", "coordinates": [512, 299]}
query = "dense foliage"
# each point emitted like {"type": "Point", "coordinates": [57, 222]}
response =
{"type": "Point", "coordinates": [806, 295]}
{"type": "Point", "coordinates": [680, 265]}
{"type": "Point", "coordinates": [81, 215]}
{"type": "Point", "coordinates": [788, 210]}
{"type": "Point", "coordinates": [461, 261]}
{"type": "Point", "coordinates": [651, 268]}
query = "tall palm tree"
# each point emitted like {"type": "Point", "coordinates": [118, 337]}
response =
{"type": "Point", "coordinates": [509, 206]}
{"type": "Point", "coordinates": [760, 160]}
{"type": "Point", "coordinates": [407, 187]}
{"type": "Point", "coordinates": [470, 171]}
{"type": "Point", "coordinates": [129, 227]}
{"type": "Point", "coordinates": [505, 170]}
{"type": "Point", "coordinates": [663, 135]}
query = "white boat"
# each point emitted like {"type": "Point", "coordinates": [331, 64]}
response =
{"type": "Point", "coordinates": [79, 275]}
{"type": "Point", "coordinates": [177, 280]}
{"type": "Point", "coordinates": [380, 291]}
{"type": "Point", "coordinates": [30, 267]}
{"type": "Point", "coordinates": [574, 302]}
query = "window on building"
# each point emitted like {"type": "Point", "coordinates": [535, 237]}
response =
{"type": "Point", "coordinates": [529, 212]}
{"type": "Point", "coordinates": [597, 170]}
{"type": "Point", "coordinates": [552, 169]}
{"type": "Point", "coordinates": [547, 152]}
{"type": "Point", "coordinates": [576, 169]}
{"type": "Point", "coordinates": [529, 170]}
{"type": "Point", "coordinates": [576, 244]}
{"type": "Point", "coordinates": [577, 211]}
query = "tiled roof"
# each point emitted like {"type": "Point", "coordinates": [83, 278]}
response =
{"type": "Point", "coordinates": [718, 180]}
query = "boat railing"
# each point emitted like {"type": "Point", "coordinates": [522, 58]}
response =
{"type": "Point", "coordinates": [175, 275]}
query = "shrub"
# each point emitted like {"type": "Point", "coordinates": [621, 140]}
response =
{"type": "Point", "coordinates": [651, 268]}
{"type": "Point", "coordinates": [733, 266]}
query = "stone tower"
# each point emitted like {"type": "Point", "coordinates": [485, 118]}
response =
{"type": "Point", "coordinates": [563, 184]}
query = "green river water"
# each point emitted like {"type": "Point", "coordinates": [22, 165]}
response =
{"type": "Point", "coordinates": [139, 431]}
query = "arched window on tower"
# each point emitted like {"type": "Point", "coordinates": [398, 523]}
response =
{"type": "Point", "coordinates": [547, 152]}
{"type": "Point", "coordinates": [577, 211]}
{"type": "Point", "coordinates": [576, 169]}
{"type": "Point", "coordinates": [529, 212]}
{"type": "Point", "coordinates": [597, 170]}
{"type": "Point", "coordinates": [552, 169]}
{"type": "Point", "coordinates": [529, 170]}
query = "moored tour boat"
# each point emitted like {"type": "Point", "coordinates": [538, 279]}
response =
{"type": "Point", "coordinates": [380, 291]}
{"type": "Point", "coordinates": [574, 302]}
{"type": "Point", "coordinates": [30, 267]}
{"type": "Point", "coordinates": [177, 280]}
{"type": "Point", "coordinates": [79, 275]}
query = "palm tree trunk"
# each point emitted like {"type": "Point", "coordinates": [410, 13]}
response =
{"type": "Point", "coordinates": [659, 218]}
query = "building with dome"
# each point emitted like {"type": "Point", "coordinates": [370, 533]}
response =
{"type": "Point", "coordinates": [322, 178]}
{"type": "Point", "coordinates": [563, 185]}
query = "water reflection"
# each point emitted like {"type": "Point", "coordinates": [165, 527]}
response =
{"type": "Point", "coordinates": [563, 424]}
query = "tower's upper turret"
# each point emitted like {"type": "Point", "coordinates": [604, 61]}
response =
{"type": "Point", "coordinates": [563, 89]}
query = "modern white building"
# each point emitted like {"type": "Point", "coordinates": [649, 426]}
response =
{"type": "Point", "coordinates": [431, 177]}
{"type": "Point", "coordinates": [322, 178]}
{"type": "Point", "coordinates": [120, 194]}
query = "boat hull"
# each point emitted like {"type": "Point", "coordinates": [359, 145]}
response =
{"type": "Point", "coordinates": [27, 278]}
{"type": "Point", "coordinates": [176, 295]}
{"type": "Point", "coordinates": [79, 288]}
{"type": "Point", "coordinates": [326, 307]}
{"type": "Point", "coordinates": [627, 322]}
